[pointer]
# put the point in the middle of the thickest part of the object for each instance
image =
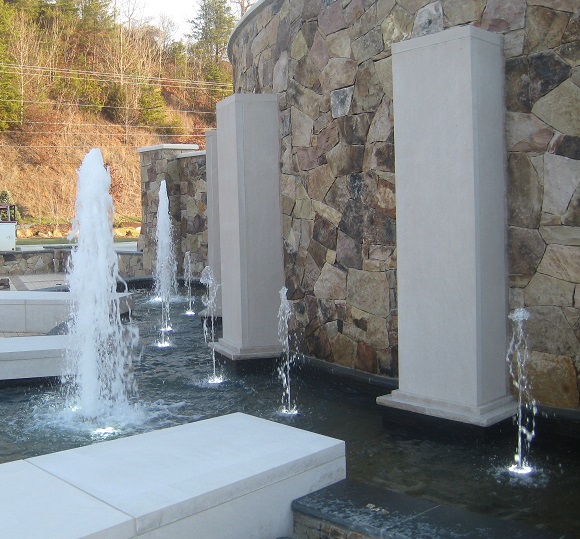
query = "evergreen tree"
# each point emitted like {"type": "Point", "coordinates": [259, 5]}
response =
{"type": "Point", "coordinates": [9, 86]}
{"type": "Point", "coordinates": [212, 28]}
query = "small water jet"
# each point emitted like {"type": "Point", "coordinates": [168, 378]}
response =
{"type": "Point", "coordinates": [517, 358]}
{"type": "Point", "coordinates": [188, 278]}
{"type": "Point", "coordinates": [287, 358]}
{"type": "Point", "coordinates": [99, 362]}
{"type": "Point", "coordinates": [165, 265]}
{"type": "Point", "coordinates": [208, 300]}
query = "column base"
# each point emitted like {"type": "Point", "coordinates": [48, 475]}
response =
{"type": "Point", "coordinates": [483, 416]}
{"type": "Point", "coordinates": [231, 351]}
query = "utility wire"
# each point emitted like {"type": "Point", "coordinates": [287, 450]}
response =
{"type": "Point", "coordinates": [114, 77]}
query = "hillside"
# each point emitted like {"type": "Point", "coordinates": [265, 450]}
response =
{"type": "Point", "coordinates": [78, 74]}
{"type": "Point", "coordinates": [38, 165]}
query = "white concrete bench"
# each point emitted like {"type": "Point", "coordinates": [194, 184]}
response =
{"type": "Point", "coordinates": [230, 477]}
{"type": "Point", "coordinates": [32, 357]}
{"type": "Point", "coordinates": [39, 312]}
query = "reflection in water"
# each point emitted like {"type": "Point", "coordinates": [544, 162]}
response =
{"type": "Point", "coordinates": [174, 389]}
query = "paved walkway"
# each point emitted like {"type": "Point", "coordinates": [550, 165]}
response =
{"type": "Point", "coordinates": [37, 281]}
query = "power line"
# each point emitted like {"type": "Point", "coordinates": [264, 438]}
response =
{"type": "Point", "coordinates": [112, 77]}
{"type": "Point", "coordinates": [80, 124]}
{"type": "Point", "coordinates": [86, 105]}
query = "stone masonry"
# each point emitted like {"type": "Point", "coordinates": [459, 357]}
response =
{"type": "Point", "coordinates": [55, 261]}
{"type": "Point", "coordinates": [184, 175]}
{"type": "Point", "coordinates": [329, 61]}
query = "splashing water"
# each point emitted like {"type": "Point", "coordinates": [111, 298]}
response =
{"type": "Point", "coordinates": [287, 359]}
{"type": "Point", "coordinates": [98, 379]}
{"type": "Point", "coordinates": [208, 300]}
{"type": "Point", "coordinates": [165, 264]}
{"type": "Point", "coordinates": [517, 358]}
{"type": "Point", "coordinates": [188, 277]}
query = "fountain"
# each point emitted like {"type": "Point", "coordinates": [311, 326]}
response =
{"type": "Point", "coordinates": [173, 389]}
{"type": "Point", "coordinates": [98, 379]}
{"type": "Point", "coordinates": [188, 277]}
{"type": "Point", "coordinates": [208, 300]}
{"type": "Point", "coordinates": [517, 358]}
{"type": "Point", "coordinates": [287, 358]}
{"type": "Point", "coordinates": [165, 264]}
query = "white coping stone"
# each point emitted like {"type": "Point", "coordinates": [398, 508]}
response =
{"type": "Point", "coordinates": [32, 357]}
{"type": "Point", "coordinates": [229, 477]}
{"type": "Point", "coordinates": [451, 250]}
{"type": "Point", "coordinates": [183, 147]}
{"type": "Point", "coordinates": [38, 312]}
{"type": "Point", "coordinates": [36, 505]}
{"type": "Point", "coordinates": [190, 154]}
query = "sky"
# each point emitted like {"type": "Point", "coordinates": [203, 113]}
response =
{"type": "Point", "coordinates": [180, 11]}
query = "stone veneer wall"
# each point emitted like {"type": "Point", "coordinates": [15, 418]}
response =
{"type": "Point", "coordinates": [184, 175]}
{"type": "Point", "coordinates": [55, 261]}
{"type": "Point", "coordinates": [330, 63]}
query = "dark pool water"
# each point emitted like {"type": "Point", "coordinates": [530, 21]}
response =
{"type": "Point", "coordinates": [173, 389]}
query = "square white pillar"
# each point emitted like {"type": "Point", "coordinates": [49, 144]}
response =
{"type": "Point", "coordinates": [451, 226]}
{"type": "Point", "coordinates": [213, 213]}
{"type": "Point", "coordinates": [252, 269]}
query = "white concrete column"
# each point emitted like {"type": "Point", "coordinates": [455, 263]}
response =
{"type": "Point", "coordinates": [451, 226]}
{"type": "Point", "coordinates": [250, 218]}
{"type": "Point", "coordinates": [213, 213]}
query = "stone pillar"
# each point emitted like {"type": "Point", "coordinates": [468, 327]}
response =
{"type": "Point", "coordinates": [250, 220]}
{"type": "Point", "coordinates": [155, 162]}
{"type": "Point", "coordinates": [451, 249]}
{"type": "Point", "coordinates": [213, 213]}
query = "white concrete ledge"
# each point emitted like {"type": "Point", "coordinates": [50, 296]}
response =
{"type": "Point", "coordinates": [182, 147]}
{"type": "Point", "coordinates": [39, 312]}
{"type": "Point", "coordinates": [229, 477]}
{"type": "Point", "coordinates": [32, 357]}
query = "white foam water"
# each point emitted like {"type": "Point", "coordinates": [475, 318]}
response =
{"type": "Point", "coordinates": [517, 358]}
{"type": "Point", "coordinates": [208, 280]}
{"type": "Point", "coordinates": [98, 379]}
{"type": "Point", "coordinates": [165, 264]}
{"type": "Point", "coordinates": [286, 361]}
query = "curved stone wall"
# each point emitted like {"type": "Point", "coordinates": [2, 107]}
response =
{"type": "Point", "coordinates": [330, 63]}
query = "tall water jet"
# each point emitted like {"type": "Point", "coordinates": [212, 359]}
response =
{"type": "Point", "coordinates": [517, 358]}
{"type": "Point", "coordinates": [98, 376]}
{"type": "Point", "coordinates": [165, 263]}
{"type": "Point", "coordinates": [188, 279]}
{"type": "Point", "coordinates": [287, 358]}
{"type": "Point", "coordinates": [208, 280]}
